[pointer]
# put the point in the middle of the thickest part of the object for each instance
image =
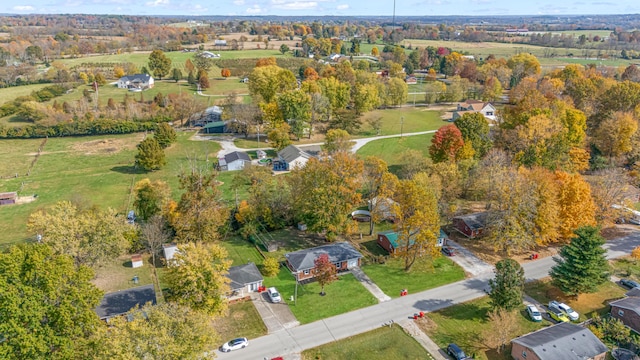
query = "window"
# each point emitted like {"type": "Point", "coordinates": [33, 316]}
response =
{"type": "Point", "coordinates": [620, 312]}
{"type": "Point", "coordinates": [489, 113]}
{"type": "Point", "coordinates": [524, 354]}
{"type": "Point", "coordinates": [306, 272]}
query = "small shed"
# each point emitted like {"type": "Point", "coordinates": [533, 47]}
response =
{"type": "Point", "coordinates": [261, 154]}
{"type": "Point", "coordinates": [136, 261]}
{"type": "Point", "coordinates": [8, 198]}
{"type": "Point", "coordinates": [169, 251]}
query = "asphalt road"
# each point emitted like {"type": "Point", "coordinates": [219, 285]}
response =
{"type": "Point", "coordinates": [295, 340]}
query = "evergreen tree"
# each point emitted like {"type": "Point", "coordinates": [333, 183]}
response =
{"type": "Point", "coordinates": [582, 265]}
{"type": "Point", "coordinates": [191, 78]}
{"type": "Point", "coordinates": [150, 155]}
{"type": "Point", "coordinates": [165, 135]}
{"type": "Point", "coordinates": [507, 286]}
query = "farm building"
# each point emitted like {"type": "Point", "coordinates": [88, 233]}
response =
{"type": "Point", "coordinates": [470, 225]}
{"type": "Point", "coordinates": [217, 127]}
{"type": "Point", "coordinates": [233, 161]}
{"type": "Point", "coordinates": [8, 198]}
{"type": "Point", "coordinates": [341, 254]}
{"type": "Point", "coordinates": [209, 115]}
{"type": "Point", "coordinates": [388, 240]}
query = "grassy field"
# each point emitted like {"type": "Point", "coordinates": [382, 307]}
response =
{"type": "Point", "coordinates": [242, 320]}
{"type": "Point", "coordinates": [464, 325]}
{"type": "Point", "coordinates": [385, 343]}
{"type": "Point", "coordinates": [10, 93]}
{"type": "Point", "coordinates": [390, 150]}
{"type": "Point", "coordinates": [403, 120]}
{"type": "Point", "coordinates": [118, 274]}
{"type": "Point", "coordinates": [626, 268]}
{"type": "Point", "coordinates": [392, 278]}
{"type": "Point", "coordinates": [343, 295]}
{"type": "Point", "coordinates": [97, 170]}
{"type": "Point", "coordinates": [586, 304]}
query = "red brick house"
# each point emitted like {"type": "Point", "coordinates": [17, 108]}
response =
{"type": "Point", "coordinates": [470, 225]}
{"type": "Point", "coordinates": [561, 341]}
{"type": "Point", "coordinates": [627, 310]}
{"type": "Point", "coordinates": [341, 254]}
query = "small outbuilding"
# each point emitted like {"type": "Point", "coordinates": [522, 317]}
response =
{"type": "Point", "coordinates": [120, 302]}
{"type": "Point", "coordinates": [136, 261]}
{"type": "Point", "coordinates": [232, 161]}
{"type": "Point", "coordinates": [8, 198]}
{"type": "Point", "coordinates": [244, 279]}
{"type": "Point", "coordinates": [216, 127]}
{"type": "Point", "coordinates": [169, 251]}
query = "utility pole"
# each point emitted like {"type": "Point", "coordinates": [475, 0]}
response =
{"type": "Point", "coordinates": [401, 125]}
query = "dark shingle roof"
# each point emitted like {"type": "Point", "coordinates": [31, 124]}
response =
{"type": "Point", "coordinates": [630, 303]}
{"type": "Point", "coordinates": [243, 275]}
{"type": "Point", "coordinates": [563, 341]}
{"type": "Point", "coordinates": [137, 77]}
{"type": "Point", "coordinates": [118, 303]}
{"type": "Point", "coordinates": [474, 221]}
{"type": "Point", "coordinates": [236, 155]}
{"type": "Point", "coordinates": [304, 259]}
{"type": "Point", "coordinates": [291, 152]}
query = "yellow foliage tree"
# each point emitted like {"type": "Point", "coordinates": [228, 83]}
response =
{"type": "Point", "coordinates": [576, 205]}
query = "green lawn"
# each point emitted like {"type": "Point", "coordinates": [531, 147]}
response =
{"type": "Point", "coordinates": [392, 278]}
{"type": "Point", "coordinates": [391, 150]}
{"type": "Point", "coordinates": [10, 93]}
{"type": "Point", "coordinates": [464, 325]}
{"type": "Point", "coordinates": [242, 320]}
{"type": "Point", "coordinates": [402, 120]}
{"type": "Point", "coordinates": [97, 170]}
{"type": "Point", "coordinates": [385, 343]}
{"type": "Point", "coordinates": [118, 274]}
{"type": "Point", "coordinates": [626, 268]}
{"type": "Point", "coordinates": [586, 304]}
{"type": "Point", "coordinates": [343, 295]}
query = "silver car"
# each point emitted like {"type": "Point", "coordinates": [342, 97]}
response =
{"type": "Point", "coordinates": [235, 344]}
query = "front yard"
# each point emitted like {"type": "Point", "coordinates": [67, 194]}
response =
{"type": "Point", "coordinates": [392, 278]}
{"type": "Point", "coordinates": [242, 320]}
{"type": "Point", "coordinates": [385, 343]}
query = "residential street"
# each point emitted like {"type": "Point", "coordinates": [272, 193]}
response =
{"type": "Point", "coordinates": [297, 339]}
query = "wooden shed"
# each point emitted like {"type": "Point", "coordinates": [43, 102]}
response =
{"type": "Point", "coordinates": [8, 198]}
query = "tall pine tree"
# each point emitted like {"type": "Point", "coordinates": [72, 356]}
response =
{"type": "Point", "coordinates": [508, 285]}
{"type": "Point", "coordinates": [150, 155]}
{"type": "Point", "coordinates": [582, 265]}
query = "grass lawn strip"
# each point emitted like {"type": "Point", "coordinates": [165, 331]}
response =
{"type": "Point", "coordinates": [385, 343]}
{"type": "Point", "coordinates": [392, 278]}
{"type": "Point", "coordinates": [242, 320]}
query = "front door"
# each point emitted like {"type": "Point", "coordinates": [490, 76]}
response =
{"type": "Point", "coordinates": [352, 263]}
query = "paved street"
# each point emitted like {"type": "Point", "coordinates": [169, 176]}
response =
{"type": "Point", "coordinates": [297, 339]}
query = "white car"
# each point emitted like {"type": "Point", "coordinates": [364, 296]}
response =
{"type": "Point", "coordinates": [534, 313]}
{"type": "Point", "coordinates": [274, 295]}
{"type": "Point", "coordinates": [235, 344]}
{"type": "Point", "coordinates": [572, 314]}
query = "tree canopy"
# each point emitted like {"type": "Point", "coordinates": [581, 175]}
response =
{"type": "Point", "coordinates": [508, 285]}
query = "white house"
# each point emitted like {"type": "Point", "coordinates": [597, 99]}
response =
{"type": "Point", "coordinates": [475, 106]}
{"type": "Point", "coordinates": [137, 81]}
{"type": "Point", "coordinates": [233, 161]}
{"type": "Point", "coordinates": [209, 55]}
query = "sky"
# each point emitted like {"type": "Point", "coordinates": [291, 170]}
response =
{"type": "Point", "coordinates": [320, 7]}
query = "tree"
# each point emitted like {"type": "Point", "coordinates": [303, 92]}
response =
{"type": "Point", "coordinates": [284, 49]}
{"type": "Point", "coordinates": [474, 128]}
{"type": "Point", "coordinates": [154, 234]}
{"type": "Point", "coordinates": [150, 197]}
{"type": "Point", "coordinates": [268, 81]}
{"type": "Point", "coordinates": [197, 277]}
{"type": "Point", "coordinates": [337, 140]}
{"type": "Point", "coordinates": [165, 135]}
{"type": "Point", "coordinates": [191, 78]}
{"type": "Point", "coordinates": [336, 91]}
{"type": "Point", "coordinates": [225, 73]}
{"type": "Point", "coordinates": [504, 327]}
{"type": "Point", "coordinates": [614, 135]}
{"type": "Point", "coordinates": [375, 52]}
{"type": "Point", "coordinates": [270, 267]}
{"type": "Point", "coordinates": [365, 98]}
{"type": "Point", "coordinates": [159, 63]}
{"type": "Point", "coordinates": [523, 65]}
{"type": "Point", "coordinates": [295, 107]}
{"type": "Point", "coordinates": [635, 253]}
{"type": "Point", "coordinates": [492, 90]}
{"type": "Point", "coordinates": [576, 203]}
{"type": "Point", "coordinates": [507, 286]}
{"type": "Point", "coordinates": [47, 304]}
{"type": "Point", "coordinates": [397, 92]}
{"type": "Point", "coordinates": [201, 212]}
{"type": "Point", "coordinates": [376, 123]}
{"type": "Point", "coordinates": [150, 155]}
{"type": "Point", "coordinates": [582, 266]}
{"type": "Point", "coordinates": [446, 144]}
{"type": "Point", "coordinates": [279, 136]}
{"type": "Point", "coordinates": [176, 74]}
{"type": "Point", "coordinates": [202, 62]}
{"type": "Point", "coordinates": [203, 80]}
{"type": "Point", "coordinates": [118, 72]}
{"type": "Point", "coordinates": [90, 236]}
{"type": "Point", "coordinates": [163, 331]}
{"type": "Point", "coordinates": [325, 272]}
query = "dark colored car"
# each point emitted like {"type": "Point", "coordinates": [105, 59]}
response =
{"type": "Point", "coordinates": [629, 283]}
{"type": "Point", "coordinates": [449, 251]}
{"type": "Point", "coordinates": [455, 352]}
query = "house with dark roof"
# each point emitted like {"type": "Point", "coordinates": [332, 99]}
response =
{"type": "Point", "coordinates": [474, 106]}
{"type": "Point", "coordinates": [244, 279]}
{"type": "Point", "coordinates": [137, 81]}
{"type": "Point", "coordinates": [341, 254]}
{"type": "Point", "coordinates": [564, 341]}
{"type": "Point", "coordinates": [290, 158]}
{"type": "Point", "coordinates": [212, 114]}
{"type": "Point", "coordinates": [470, 225]}
{"type": "Point", "coordinates": [232, 161]}
{"type": "Point", "coordinates": [627, 310]}
{"type": "Point", "coordinates": [120, 302]}
{"type": "Point", "coordinates": [388, 240]}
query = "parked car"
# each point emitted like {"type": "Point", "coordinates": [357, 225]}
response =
{"type": "Point", "coordinates": [534, 313]}
{"type": "Point", "coordinates": [235, 344]}
{"type": "Point", "coordinates": [449, 251]}
{"type": "Point", "coordinates": [629, 283]}
{"type": "Point", "coordinates": [455, 352]}
{"type": "Point", "coordinates": [572, 314]}
{"type": "Point", "coordinates": [558, 315]}
{"type": "Point", "coordinates": [274, 295]}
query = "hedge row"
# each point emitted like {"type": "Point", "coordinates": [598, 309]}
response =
{"type": "Point", "coordinates": [96, 127]}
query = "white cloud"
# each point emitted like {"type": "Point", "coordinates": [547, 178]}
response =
{"type": "Point", "coordinates": [296, 5]}
{"type": "Point", "coordinates": [157, 3]}
{"type": "Point", "coordinates": [342, 7]}
{"type": "Point", "coordinates": [23, 8]}
{"type": "Point", "coordinates": [238, 2]}
{"type": "Point", "coordinates": [255, 9]}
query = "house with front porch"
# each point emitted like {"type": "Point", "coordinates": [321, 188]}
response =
{"type": "Point", "coordinates": [137, 81]}
{"type": "Point", "coordinates": [475, 106]}
{"type": "Point", "coordinates": [341, 254]}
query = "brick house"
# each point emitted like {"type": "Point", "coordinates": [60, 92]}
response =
{"type": "Point", "coordinates": [341, 254]}
{"type": "Point", "coordinates": [471, 225]}
{"type": "Point", "coordinates": [627, 310]}
{"type": "Point", "coordinates": [565, 341]}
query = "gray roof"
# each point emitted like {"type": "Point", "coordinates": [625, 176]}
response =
{"type": "Point", "coordinates": [243, 275]}
{"type": "Point", "coordinates": [630, 303]}
{"type": "Point", "coordinates": [304, 259]}
{"type": "Point", "coordinates": [291, 152]}
{"type": "Point", "coordinates": [236, 155]}
{"type": "Point", "coordinates": [633, 292]}
{"type": "Point", "coordinates": [565, 341]}
{"type": "Point", "coordinates": [474, 221]}
{"type": "Point", "coordinates": [119, 302]}
{"type": "Point", "coordinates": [213, 110]}
{"type": "Point", "coordinates": [137, 77]}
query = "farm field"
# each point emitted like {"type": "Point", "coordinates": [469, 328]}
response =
{"type": "Point", "coordinates": [10, 93]}
{"type": "Point", "coordinates": [98, 170]}
{"type": "Point", "coordinates": [391, 150]}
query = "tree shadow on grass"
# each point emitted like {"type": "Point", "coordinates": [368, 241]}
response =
{"type": "Point", "coordinates": [129, 170]}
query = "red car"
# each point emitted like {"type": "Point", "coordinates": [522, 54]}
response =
{"type": "Point", "coordinates": [449, 251]}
